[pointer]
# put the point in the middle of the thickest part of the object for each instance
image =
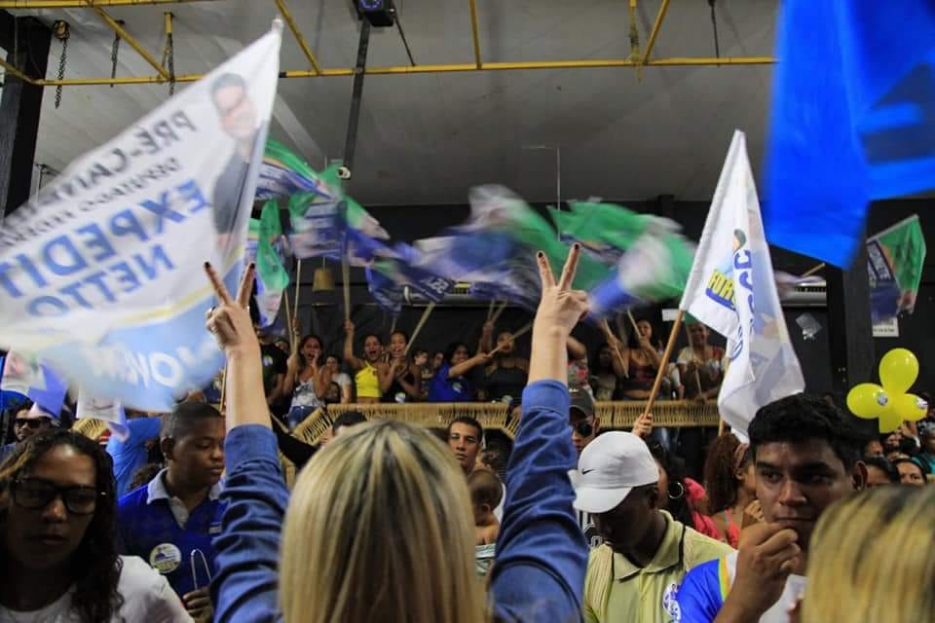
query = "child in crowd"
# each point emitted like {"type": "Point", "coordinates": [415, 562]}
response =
{"type": "Point", "coordinates": [486, 494]}
{"type": "Point", "coordinates": [421, 361]}
{"type": "Point", "coordinates": [171, 521]}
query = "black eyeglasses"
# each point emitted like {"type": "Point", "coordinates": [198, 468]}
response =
{"type": "Point", "coordinates": [31, 423]}
{"type": "Point", "coordinates": [585, 428]}
{"type": "Point", "coordinates": [36, 494]}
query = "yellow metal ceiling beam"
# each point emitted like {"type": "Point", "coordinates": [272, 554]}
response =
{"type": "Point", "coordinates": [287, 15]}
{"type": "Point", "coordinates": [81, 4]}
{"type": "Point", "coordinates": [13, 71]}
{"type": "Point", "coordinates": [477, 59]}
{"type": "Point", "coordinates": [657, 26]}
{"type": "Point", "coordinates": [117, 28]}
{"type": "Point", "coordinates": [444, 69]}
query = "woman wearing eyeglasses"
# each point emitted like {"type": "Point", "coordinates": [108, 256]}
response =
{"type": "Point", "coordinates": [58, 556]}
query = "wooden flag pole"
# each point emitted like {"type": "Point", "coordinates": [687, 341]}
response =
{"type": "Point", "coordinates": [666, 355]}
{"type": "Point", "coordinates": [425, 316]}
{"type": "Point", "coordinates": [490, 310]}
{"type": "Point", "coordinates": [633, 324]}
{"type": "Point", "coordinates": [346, 286]}
{"type": "Point", "coordinates": [499, 311]}
{"type": "Point", "coordinates": [814, 269]}
{"type": "Point", "coordinates": [290, 329]}
{"type": "Point", "coordinates": [223, 405]}
{"type": "Point", "coordinates": [298, 286]}
{"type": "Point", "coordinates": [522, 331]}
{"type": "Point", "coordinates": [613, 344]}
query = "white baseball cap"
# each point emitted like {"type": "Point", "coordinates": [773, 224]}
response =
{"type": "Point", "coordinates": [609, 468]}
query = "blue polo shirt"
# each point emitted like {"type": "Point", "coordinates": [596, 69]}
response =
{"type": "Point", "coordinates": [444, 389]}
{"type": "Point", "coordinates": [130, 455]}
{"type": "Point", "coordinates": [156, 527]}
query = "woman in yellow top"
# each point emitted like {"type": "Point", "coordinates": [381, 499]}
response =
{"type": "Point", "coordinates": [373, 372]}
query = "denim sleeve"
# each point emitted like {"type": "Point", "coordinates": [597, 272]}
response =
{"type": "Point", "coordinates": [245, 586]}
{"type": "Point", "coordinates": [538, 573]}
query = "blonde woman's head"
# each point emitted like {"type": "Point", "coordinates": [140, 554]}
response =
{"type": "Point", "coordinates": [875, 550]}
{"type": "Point", "coordinates": [379, 528]}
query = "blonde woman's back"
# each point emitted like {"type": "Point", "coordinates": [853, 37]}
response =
{"type": "Point", "coordinates": [379, 529]}
{"type": "Point", "coordinates": [871, 559]}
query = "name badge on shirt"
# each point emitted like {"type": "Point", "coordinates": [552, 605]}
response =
{"type": "Point", "coordinates": [165, 558]}
{"type": "Point", "coordinates": [214, 528]}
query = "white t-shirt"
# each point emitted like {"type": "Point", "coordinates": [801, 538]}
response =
{"type": "Point", "coordinates": [147, 598]}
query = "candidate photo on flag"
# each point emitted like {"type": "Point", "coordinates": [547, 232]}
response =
{"type": "Point", "coordinates": [96, 270]}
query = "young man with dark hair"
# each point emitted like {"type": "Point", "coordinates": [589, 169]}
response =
{"type": "Point", "coordinates": [636, 573]}
{"type": "Point", "coordinates": [806, 453]}
{"type": "Point", "coordinates": [171, 521]}
{"type": "Point", "coordinates": [465, 436]}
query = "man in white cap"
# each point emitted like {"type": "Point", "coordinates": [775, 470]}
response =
{"type": "Point", "coordinates": [636, 573]}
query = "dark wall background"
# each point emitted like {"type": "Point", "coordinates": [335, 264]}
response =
{"type": "Point", "coordinates": [322, 312]}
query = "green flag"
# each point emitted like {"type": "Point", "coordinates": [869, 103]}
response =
{"type": "Point", "coordinates": [272, 278]}
{"type": "Point", "coordinates": [604, 230]}
{"type": "Point", "coordinates": [895, 258]}
{"type": "Point", "coordinates": [497, 209]}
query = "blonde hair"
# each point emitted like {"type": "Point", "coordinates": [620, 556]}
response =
{"type": "Point", "coordinates": [380, 527]}
{"type": "Point", "coordinates": [866, 548]}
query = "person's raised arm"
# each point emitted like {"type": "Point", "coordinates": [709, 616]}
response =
{"type": "Point", "coordinates": [619, 356]}
{"type": "Point", "coordinates": [576, 350]}
{"type": "Point", "coordinates": [466, 366]}
{"type": "Point", "coordinates": [245, 582]}
{"type": "Point", "coordinates": [352, 361]}
{"type": "Point", "coordinates": [486, 338]}
{"type": "Point", "coordinates": [541, 553]}
{"type": "Point", "coordinates": [232, 328]}
{"type": "Point", "coordinates": [293, 365]}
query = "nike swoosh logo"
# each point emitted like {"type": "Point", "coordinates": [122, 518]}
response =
{"type": "Point", "coordinates": [587, 471]}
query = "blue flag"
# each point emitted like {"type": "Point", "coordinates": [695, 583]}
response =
{"type": "Point", "coordinates": [853, 119]}
{"type": "Point", "coordinates": [384, 291]}
{"type": "Point", "coordinates": [20, 379]}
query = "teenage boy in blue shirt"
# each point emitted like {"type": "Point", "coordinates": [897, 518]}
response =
{"type": "Point", "coordinates": [172, 521]}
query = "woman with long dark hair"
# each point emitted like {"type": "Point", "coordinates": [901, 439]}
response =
{"type": "Point", "coordinates": [307, 378]}
{"type": "Point", "coordinates": [730, 479]}
{"type": "Point", "coordinates": [58, 551]}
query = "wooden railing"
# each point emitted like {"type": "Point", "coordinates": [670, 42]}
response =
{"type": "Point", "coordinates": [494, 416]}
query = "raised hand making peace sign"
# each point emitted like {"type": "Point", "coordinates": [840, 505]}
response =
{"type": "Point", "coordinates": [560, 309]}
{"type": "Point", "coordinates": [231, 326]}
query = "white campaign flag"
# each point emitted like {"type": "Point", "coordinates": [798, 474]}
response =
{"type": "Point", "coordinates": [101, 274]}
{"type": "Point", "coordinates": [731, 289]}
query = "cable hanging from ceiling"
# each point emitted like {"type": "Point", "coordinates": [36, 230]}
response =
{"type": "Point", "coordinates": [168, 52]}
{"type": "Point", "coordinates": [717, 46]}
{"type": "Point", "coordinates": [62, 32]}
{"type": "Point", "coordinates": [114, 52]}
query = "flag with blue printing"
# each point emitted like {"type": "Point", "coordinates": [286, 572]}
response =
{"type": "Point", "coordinates": [732, 289]}
{"type": "Point", "coordinates": [22, 379]}
{"type": "Point", "coordinates": [853, 119]}
{"type": "Point", "coordinates": [101, 273]}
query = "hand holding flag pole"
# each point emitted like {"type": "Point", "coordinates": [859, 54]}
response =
{"type": "Point", "coordinates": [666, 355]}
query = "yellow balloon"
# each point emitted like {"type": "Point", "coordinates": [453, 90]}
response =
{"type": "Point", "coordinates": [889, 422]}
{"type": "Point", "coordinates": [899, 369]}
{"type": "Point", "coordinates": [910, 407]}
{"type": "Point", "coordinates": [867, 400]}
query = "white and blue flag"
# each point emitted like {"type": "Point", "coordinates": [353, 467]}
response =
{"type": "Point", "coordinates": [732, 289]}
{"type": "Point", "coordinates": [101, 273]}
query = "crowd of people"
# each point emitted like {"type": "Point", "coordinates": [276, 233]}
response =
{"type": "Point", "coordinates": [190, 516]}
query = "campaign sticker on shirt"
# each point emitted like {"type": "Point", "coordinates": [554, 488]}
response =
{"type": "Point", "coordinates": [165, 558]}
{"type": "Point", "coordinates": [457, 387]}
{"type": "Point", "coordinates": [215, 528]}
{"type": "Point", "coordinates": [669, 603]}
